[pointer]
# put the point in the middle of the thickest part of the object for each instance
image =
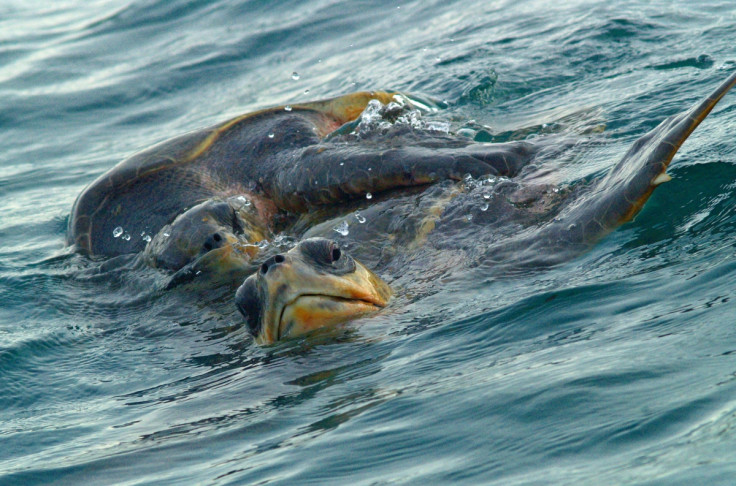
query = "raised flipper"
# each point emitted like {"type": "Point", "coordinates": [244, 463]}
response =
{"type": "Point", "coordinates": [620, 195]}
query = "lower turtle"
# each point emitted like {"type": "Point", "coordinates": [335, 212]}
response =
{"type": "Point", "coordinates": [495, 224]}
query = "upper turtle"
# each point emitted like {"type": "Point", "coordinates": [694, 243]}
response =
{"type": "Point", "coordinates": [278, 159]}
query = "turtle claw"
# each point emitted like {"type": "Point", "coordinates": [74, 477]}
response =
{"type": "Point", "coordinates": [661, 178]}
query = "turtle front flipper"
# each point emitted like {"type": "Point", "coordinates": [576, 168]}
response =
{"type": "Point", "coordinates": [325, 174]}
{"type": "Point", "coordinates": [620, 195]}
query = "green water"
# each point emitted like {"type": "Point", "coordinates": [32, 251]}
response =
{"type": "Point", "coordinates": [617, 367]}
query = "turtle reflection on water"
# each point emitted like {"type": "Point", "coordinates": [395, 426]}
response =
{"type": "Point", "coordinates": [208, 201]}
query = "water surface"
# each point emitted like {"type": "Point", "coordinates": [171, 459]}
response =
{"type": "Point", "coordinates": [617, 367]}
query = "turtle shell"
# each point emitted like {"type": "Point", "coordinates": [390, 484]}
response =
{"type": "Point", "coordinates": [137, 197]}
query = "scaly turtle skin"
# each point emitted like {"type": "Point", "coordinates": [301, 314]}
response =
{"type": "Point", "coordinates": [494, 225]}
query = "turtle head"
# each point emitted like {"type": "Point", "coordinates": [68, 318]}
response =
{"type": "Point", "coordinates": [313, 285]}
{"type": "Point", "coordinates": [217, 237]}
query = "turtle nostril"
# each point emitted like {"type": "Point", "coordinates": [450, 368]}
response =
{"type": "Point", "coordinates": [336, 253]}
{"type": "Point", "coordinates": [274, 260]}
{"type": "Point", "coordinates": [215, 240]}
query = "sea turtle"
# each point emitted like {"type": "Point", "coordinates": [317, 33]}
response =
{"type": "Point", "coordinates": [414, 238]}
{"type": "Point", "coordinates": [204, 199]}
{"type": "Point", "coordinates": [211, 201]}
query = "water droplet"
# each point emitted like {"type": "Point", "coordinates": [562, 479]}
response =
{"type": "Point", "coordinates": [370, 169]}
{"type": "Point", "coordinates": [270, 135]}
{"type": "Point", "coordinates": [126, 237]}
{"type": "Point", "coordinates": [368, 195]}
{"type": "Point", "coordinates": [287, 108]}
{"type": "Point", "coordinates": [487, 196]}
{"type": "Point", "coordinates": [117, 232]}
{"type": "Point", "coordinates": [484, 207]}
{"type": "Point", "coordinates": [146, 238]}
{"type": "Point", "coordinates": [572, 227]}
{"type": "Point", "coordinates": [295, 76]}
{"type": "Point", "coordinates": [469, 217]}
{"type": "Point", "coordinates": [342, 228]}
{"type": "Point", "coordinates": [342, 163]}
{"type": "Point", "coordinates": [438, 59]}
{"type": "Point", "coordinates": [466, 132]}
{"type": "Point", "coordinates": [243, 200]}
{"type": "Point", "coordinates": [166, 235]}
{"type": "Point", "coordinates": [359, 217]}
{"type": "Point", "coordinates": [306, 91]}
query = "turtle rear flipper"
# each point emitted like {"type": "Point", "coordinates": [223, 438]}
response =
{"type": "Point", "coordinates": [616, 198]}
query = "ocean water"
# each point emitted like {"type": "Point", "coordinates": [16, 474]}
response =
{"type": "Point", "coordinates": [618, 367]}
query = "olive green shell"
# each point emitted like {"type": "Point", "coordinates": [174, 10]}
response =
{"type": "Point", "coordinates": [141, 194]}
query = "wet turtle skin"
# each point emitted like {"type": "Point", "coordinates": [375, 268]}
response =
{"type": "Point", "coordinates": [283, 160]}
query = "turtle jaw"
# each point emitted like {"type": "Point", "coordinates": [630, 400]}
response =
{"type": "Point", "coordinates": [228, 263]}
{"type": "Point", "coordinates": [292, 295]}
{"type": "Point", "coordinates": [336, 302]}
{"type": "Point", "coordinates": [234, 257]}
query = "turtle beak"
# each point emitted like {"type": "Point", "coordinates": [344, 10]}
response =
{"type": "Point", "coordinates": [314, 300]}
{"type": "Point", "coordinates": [290, 296]}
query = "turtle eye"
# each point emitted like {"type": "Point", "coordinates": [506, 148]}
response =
{"type": "Point", "coordinates": [320, 250]}
{"type": "Point", "coordinates": [327, 256]}
{"type": "Point", "coordinates": [335, 254]}
{"type": "Point", "coordinates": [330, 252]}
